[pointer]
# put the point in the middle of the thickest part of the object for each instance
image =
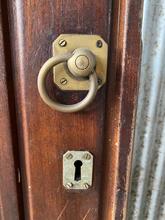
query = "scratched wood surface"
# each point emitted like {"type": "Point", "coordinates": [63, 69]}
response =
{"type": "Point", "coordinates": [45, 135]}
{"type": "Point", "coordinates": [122, 90]}
{"type": "Point", "coordinates": [9, 189]}
{"type": "Point", "coordinates": [105, 128]}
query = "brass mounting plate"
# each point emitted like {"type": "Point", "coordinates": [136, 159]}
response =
{"type": "Point", "coordinates": [68, 43]}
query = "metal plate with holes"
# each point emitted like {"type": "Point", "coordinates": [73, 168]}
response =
{"type": "Point", "coordinates": [77, 170]}
{"type": "Point", "coordinates": [68, 43]}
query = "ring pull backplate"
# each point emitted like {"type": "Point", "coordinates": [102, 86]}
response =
{"type": "Point", "coordinates": [79, 65]}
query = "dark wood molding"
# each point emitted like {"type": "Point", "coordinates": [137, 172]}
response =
{"type": "Point", "coordinates": [10, 189]}
{"type": "Point", "coordinates": [121, 102]}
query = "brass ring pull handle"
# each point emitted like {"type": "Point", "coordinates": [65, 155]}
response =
{"type": "Point", "coordinates": [79, 66]}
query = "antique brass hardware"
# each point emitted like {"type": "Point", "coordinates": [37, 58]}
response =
{"type": "Point", "coordinates": [80, 66]}
{"type": "Point", "coordinates": [69, 42]}
{"type": "Point", "coordinates": [77, 170]}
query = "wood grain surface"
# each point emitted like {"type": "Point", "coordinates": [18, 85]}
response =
{"type": "Point", "coordinates": [45, 135]}
{"type": "Point", "coordinates": [9, 186]}
{"type": "Point", "coordinates": [122, 91]}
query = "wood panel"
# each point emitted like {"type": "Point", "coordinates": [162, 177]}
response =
{"type": "Point", "coordinates": [45, 135]}
{"type": "Point", "coordinates": [9, 188]}
{"type": "Point", "coordinates": [125, 54]}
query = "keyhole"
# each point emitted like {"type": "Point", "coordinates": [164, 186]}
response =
{"type": "Point", "coordinates": [77, 165]}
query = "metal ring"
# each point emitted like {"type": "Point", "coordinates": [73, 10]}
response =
{"type": "Point", "coordinates": [58, 106]}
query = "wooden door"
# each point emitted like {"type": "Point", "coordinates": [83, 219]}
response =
{"type": "Point", "coordinates": [105, 128]}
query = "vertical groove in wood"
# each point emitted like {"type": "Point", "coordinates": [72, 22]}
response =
{"type": "Point", "coordinates": [125, 51]}
{"type": "Point", "coordinates": [45, 134]}
{"type": "Point", "coordinates": [10, 189]}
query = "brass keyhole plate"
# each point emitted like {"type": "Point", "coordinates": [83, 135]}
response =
{"type": "Point", "coordinates": [68, 43]}
{"type": "Point", "coordinates": [77, 170]}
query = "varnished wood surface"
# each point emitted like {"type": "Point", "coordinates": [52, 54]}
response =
{"type": "Point", "coordinates": [122, 91]}
{"type": "Point", "coordinates": [9, 208]}
{"type": "Point", "coordinates": [45, 135]}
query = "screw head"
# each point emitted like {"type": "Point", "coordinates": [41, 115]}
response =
{"type": "Point", "coordinates": [86, 185]}
{"type": "Point", "coordinates": [69, 185]}
{"type": "Point", "coordinates": [99, 81]}
{"type": "Point", "coordinates": [62, 43]}
{"type": "Point", "coordinates": [87, 156]}
{"type": "Point", "coordinates": [63, 81]}
{"type": "Point", "coordinates": [69, 156]}
{"type": "Point", "coordinates": [99, 43]}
